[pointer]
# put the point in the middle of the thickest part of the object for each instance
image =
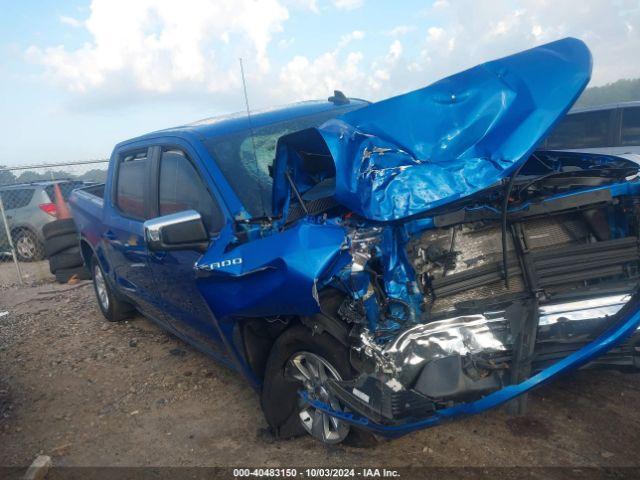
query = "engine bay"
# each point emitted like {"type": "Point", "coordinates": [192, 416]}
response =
{"type": "Point", "coordinates": [457, 313]}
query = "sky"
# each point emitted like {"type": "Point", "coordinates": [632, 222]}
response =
{"type": "Point", "coordinates": [78, 76]}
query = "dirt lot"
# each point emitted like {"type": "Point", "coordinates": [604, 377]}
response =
{"type": "Point", "coordinates": [88, 392]}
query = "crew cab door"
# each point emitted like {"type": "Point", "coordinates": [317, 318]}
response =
{"type": "Point", "coordinates": [179, 186]}
{"type": "Point", "coordinates": [123, 234]}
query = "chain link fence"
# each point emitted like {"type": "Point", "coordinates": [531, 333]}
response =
{"type": "Point", "coordinates": [27, 203]}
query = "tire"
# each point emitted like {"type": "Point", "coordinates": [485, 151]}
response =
{"type": "Point", "coordinates": [58, 227]}
{"type": "Point", "coordinates": [57, 244]}
{"type": "Point", "coordinates": [68, 258]}
{"type": "Point", "coordinates": [66, 274]}
{"type": "Point", "coordinates": [279, 398]}
{"type": "Point", "coordinates": [28, 247]}
{"type": "Point", "coordinates": [112, 308]}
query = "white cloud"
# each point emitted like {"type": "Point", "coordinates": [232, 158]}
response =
{"type": "Point", "coordinates": [395, 50]}
{"type": "Point", "coordinates": [319, 77]}
{"type": "Point", "coordinates": [537, 31]}
{"type": "Point", "coordinates": [73, 22]}
{"type": "Point", "coordinates": [435, 33]}
{"type": "Point", "coordinates": [500, 28]}
{"type": "Point", "coordinates": [347, 71]}
{"type": "Point", "coordinates": [454, 40]}
{"type": "Point", "coordinates": [384, 67]}
{"type": "Point", "coordinates": [145, 48]}
{"type": "Point", "coordinates": [330, 71]}
{"type": "Point", "coordinates": [348, 4]}
{"type": "Point", "coordinates": [350, 37]}
{"type": "Point", "coordinates": [286, 42]}
{"type": "Point", "coordinates": [159, 45]}
{"type": "Point", "coordinates": [311, 5]}
{"type": "Point", "coordinates": [400, 30]}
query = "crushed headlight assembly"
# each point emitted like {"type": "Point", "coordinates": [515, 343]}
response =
{"type": "Point", "coordinates": [372, 404]}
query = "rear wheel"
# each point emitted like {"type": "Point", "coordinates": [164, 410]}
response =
{"type": "Point", "coordinates": [28, 247]}
{"type": "Point", "coordinates": [302, 361]}
{"type": "Point", "coordinates": [111, 307]}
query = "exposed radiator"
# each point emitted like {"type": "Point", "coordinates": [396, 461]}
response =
{"type": "Point", "coordinates": [560, 253]}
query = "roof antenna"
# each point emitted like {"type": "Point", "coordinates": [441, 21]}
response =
{"type": "Point", "coordinates": [338, 98]}
{"type": "Point", "coordinates": [253, 142]}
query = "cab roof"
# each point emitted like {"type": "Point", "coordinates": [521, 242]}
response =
{"type": "Point", "coordinates": [236, 122]}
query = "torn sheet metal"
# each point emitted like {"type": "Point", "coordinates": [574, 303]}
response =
{"type": "Point", "coordinates": [462, 335]}
{"type": "Point", "coordinates": [408, 154]}
{"type": "Point", "coordinates": [627, 322]}
{"type": "Point", "coordinates": [489, 333]}
{"type": "Point", "coordinates": [391, 297]}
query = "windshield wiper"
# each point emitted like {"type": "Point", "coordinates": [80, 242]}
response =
{"type": "Point", "coordinates": [627, 171]}
{"type": "Point", "coordinates": [296, 192]}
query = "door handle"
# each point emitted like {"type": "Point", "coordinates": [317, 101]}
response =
{"type": "Point", "coordinates": [109, 235]}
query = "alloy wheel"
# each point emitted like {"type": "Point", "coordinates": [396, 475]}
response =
{"type": "Point", "coordinates": [313, 371]}
{"type": "Point", "coordinates": [26, 247]}
{"type": "Point", "coordinates": [101, 288]}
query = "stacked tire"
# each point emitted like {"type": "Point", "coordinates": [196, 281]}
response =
{"type": "Point", "coordinates": [62, 249]}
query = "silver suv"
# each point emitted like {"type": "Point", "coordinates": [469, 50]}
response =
{"type": "Point", "coordinates": [29, 206]}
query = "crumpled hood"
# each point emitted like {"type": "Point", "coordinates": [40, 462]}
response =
{"type": "Point", "coordinates": [414, 152]}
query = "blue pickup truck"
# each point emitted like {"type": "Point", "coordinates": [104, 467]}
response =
{"type": "Point", "coordinates": [384, 266]}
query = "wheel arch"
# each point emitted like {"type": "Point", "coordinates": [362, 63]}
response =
{"type": "Point", "coordinates": [87, 252]}
{"type": "Point", "coordinates": [24, 228]}
{"type": "Point", "coordinates": [258, 335]}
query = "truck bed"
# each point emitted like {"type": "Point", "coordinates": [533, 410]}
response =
{"type": "Point", "coordinates": [87, 208]}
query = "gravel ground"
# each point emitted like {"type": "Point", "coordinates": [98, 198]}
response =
{"type": "Point", "coordinates": [87, 392]}
{"type": "Point", "coordinates": [32, 272]}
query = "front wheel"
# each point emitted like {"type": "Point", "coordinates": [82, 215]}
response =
{"type": "Point", "coordinates": [302, 360]}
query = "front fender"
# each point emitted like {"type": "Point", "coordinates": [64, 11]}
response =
{"type": "Point", "coordinates": [274, 275]}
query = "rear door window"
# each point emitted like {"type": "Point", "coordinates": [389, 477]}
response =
{"type": "Point", "coordinates": [16, 197]}
{"type": "Point", "coordinates": [131, 184]}
{"type": "Point", "coordinates": [631, 126]}
{"type": "Point", "coordinates": [582, 130]}
{"type": "Point", "coordinates": [181, 188]}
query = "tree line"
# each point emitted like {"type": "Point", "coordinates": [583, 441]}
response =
{"type": "Point", "coordinates": [27, 176]}
{"type": "Point", "coordinates": [625, 90]}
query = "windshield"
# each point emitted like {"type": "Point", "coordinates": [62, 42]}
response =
{"type": "Point", "coordinates": [234, 156]}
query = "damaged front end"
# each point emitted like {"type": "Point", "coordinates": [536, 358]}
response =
{"type": "Point", "coordinates": [478, 269]}
{"type": "Point", "coordinates": [476, 334]}
{"type": "Point", "coordinates": [470, 268]}
{"type": "Point", "coordinates": [379, 402]}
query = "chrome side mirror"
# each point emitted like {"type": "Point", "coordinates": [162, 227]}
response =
{"type": "Point", "coordinates": [177, 231]}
